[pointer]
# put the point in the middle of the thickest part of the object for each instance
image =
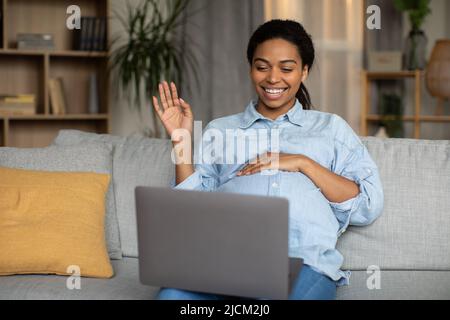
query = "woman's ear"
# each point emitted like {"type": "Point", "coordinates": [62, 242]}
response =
{"type": "Point", "coordinates": [305, 73]}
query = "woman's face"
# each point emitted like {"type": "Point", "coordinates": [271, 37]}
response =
{"type": "Point", "coordinates": [277, 73]}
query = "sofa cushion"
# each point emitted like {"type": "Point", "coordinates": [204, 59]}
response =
{"type": "Point", "coordinates": [124, 285]}
{"type": "Point", "coordinates": [397, 284]}
{"type": "Point", "coordinates": [413, 230]}
{"type": "Point", "coordinates": [50, 221]}
{"type": "Point", "coordinates": [137, 161]}
{"type": "Point", "coordinates": [92, 157]}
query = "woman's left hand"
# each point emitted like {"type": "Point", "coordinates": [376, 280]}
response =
{"type": "Point", "coordinates": [275, 161]}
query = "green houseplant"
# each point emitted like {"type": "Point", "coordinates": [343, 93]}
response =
{"type": "Point", "coordinates": [391, 115]}
{"type": "Point", "coordinates": [416, 41]}
{"type": "Point", "coordinates": [148, 52]}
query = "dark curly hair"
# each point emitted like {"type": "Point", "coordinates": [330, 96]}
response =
{"type": "Point", "coordinates": [293, 32]}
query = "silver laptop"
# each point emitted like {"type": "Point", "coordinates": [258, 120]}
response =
{"type": "Point", "coordinates": [213, 242]}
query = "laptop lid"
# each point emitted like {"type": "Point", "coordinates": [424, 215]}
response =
{"type": "Point", "coordinates": [223, 243]}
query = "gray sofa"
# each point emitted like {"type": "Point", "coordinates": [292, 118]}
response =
{"type": "Point", "coordinates": [405, 254]}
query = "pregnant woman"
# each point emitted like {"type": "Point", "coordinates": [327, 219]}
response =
{"type": "Point", "coordinates": [316, 160]}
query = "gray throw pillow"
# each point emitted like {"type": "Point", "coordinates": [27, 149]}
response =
{"type": "Point", "coordinates": [93, 157]}
{"type": "Point", "coordinates": [137, 161]}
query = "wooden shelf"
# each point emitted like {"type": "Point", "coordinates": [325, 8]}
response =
{"type": "Point", "coordinates": [29, 72]}
{"type": "Point", "coordinates": [434, 118]}
{"type": "Point", "coordinates": [376, 117]}
{"type": "Point", "coordinates": [63, 53]}
{"type": "Point", "coordinates": [74, 53]}
{"type": "Point", "coordinates": [390, 75]}
{"type": "Point", "coordinates": [57, 117]}
{"type": "Point", "coordinates": [417, 118]}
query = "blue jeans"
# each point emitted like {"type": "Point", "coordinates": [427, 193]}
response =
{"type": "Point", "coordinates": [309, 285]}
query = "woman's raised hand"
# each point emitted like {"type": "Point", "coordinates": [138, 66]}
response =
{"type": "Point", "coordinates": [175, 112]}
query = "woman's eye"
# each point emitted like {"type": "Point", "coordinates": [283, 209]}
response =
{"type": "Point", "coordinates": [287, 70]}
{"type": "Point", "coordinates": [261, 68]}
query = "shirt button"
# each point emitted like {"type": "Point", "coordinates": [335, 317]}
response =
{"type": "Point", "coordinates": [275, 185]}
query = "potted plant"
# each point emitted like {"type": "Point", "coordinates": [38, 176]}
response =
{"type": "Point", "coordinates": [391, 115]}
{"type": "Point", "coordinates": [416, 41]}
{"type": "Point", "coordinates": [147, 52]}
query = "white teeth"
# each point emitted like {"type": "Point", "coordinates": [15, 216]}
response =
{"type": "Point", "coordinates": [274, 91]}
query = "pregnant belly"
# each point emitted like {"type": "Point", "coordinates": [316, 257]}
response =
{"type": "Point", "coordinates": [309, 211]}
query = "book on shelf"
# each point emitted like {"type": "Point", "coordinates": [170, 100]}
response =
{"type": "Point", "coordinates": [78, 35]}
{"type": "Point", "coordinates": [22, 104]}
{"type": "Point", "coordinates": [92, 35]}
{"type": "Point", "coordinates": [102, 37]}
{"type": "Point", "coordinates": [35, 41]}
{"type": "Point", "coordinates": [57, 96]}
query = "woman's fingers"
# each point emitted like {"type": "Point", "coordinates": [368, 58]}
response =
{"type": "Point", "coordinates": [263, 161]}
{"type": "Point", "coordinates": [156, 106]}
{"type": "Point", "coordinates": [186, 108]}
{"type": "Point", "coordinates": [176, 101]}
{"type": "Point", "coordinates": [248, 168]}
{"type": "Point", "coordinates": [253, 168]}
{"type": "Point", "coordinates": [163, 97]}
{"type": "Point", "coordinates": [167, 93]}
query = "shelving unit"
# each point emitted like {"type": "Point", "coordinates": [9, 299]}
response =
{"type": "Point", "coordinates": [417, 117]}
{"type": "Point", "coordinates": [28, 72]}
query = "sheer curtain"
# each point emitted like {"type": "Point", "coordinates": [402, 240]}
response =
{"type": "Point", "coordinates": [336, 27]}
{"type": "Point", "coordinates": [221, 30]}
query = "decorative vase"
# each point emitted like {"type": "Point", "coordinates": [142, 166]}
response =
{"type": "Point", "coordinates": [381, 133]}
{"type": "Point", "coordinates": [437, 77]}
{"type": "Point", "coordinates": [415, 47]}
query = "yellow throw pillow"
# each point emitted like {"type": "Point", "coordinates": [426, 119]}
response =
{"type": "Point", "coordinates": [53, 223]}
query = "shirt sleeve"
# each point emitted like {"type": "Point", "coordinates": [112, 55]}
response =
{"type": "Point", "coordinates": [353, 161]}
{"type": "Point", "coordinates": [206, 176]}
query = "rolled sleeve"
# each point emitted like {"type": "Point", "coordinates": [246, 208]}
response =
{"type": "Point", "coordinates": [357, 165]}
{"type": "Point", "coordinates": [193, 182]}
{"type": "Point", "coordinates": [203, 179]}
{"type": "Point", "coordinates": [206, 176]}
{"type": "Point", "coordinates": [368, 204]}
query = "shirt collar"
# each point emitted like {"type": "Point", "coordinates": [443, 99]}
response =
{"type": "Point", "coordinates": [295, 115]}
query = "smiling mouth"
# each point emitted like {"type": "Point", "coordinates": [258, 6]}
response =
{"type": "Point", "coordinates": [274, 92]}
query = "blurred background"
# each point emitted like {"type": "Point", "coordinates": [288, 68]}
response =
{"type": "Point", "coordinates": [343, 44]}
{"type": "Point", "coordinates": [382, 65]}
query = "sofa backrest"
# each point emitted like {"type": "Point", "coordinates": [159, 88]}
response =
{"type": "Point", "coordinates": [413, 231]}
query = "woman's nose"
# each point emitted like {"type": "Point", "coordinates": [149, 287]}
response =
{"type": "Point", "coordinates": [273, 76]}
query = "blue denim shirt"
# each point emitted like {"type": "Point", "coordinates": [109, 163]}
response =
{"type": "Point", "coordinates": [314, 222]}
